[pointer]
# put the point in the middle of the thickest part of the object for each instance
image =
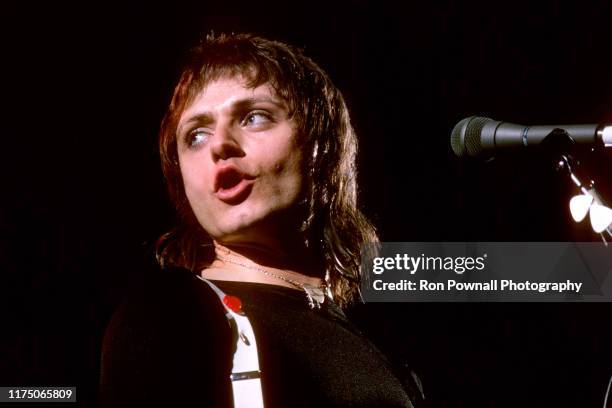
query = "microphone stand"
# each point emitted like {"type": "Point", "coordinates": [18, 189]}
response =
{"type": "Point", "coordinates": [558, 145]}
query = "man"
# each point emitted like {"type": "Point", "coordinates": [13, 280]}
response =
{"type": "Point", "coordinates": [259, 155]}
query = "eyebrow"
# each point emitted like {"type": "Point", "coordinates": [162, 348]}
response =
{"type": "Point", "coordinates": [206, 117]}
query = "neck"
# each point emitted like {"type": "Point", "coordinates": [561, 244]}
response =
{"type": "Point", "coordinates": [251, 263]}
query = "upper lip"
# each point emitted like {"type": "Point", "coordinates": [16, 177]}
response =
{"type": "Point", "coordinates": [229, 173]}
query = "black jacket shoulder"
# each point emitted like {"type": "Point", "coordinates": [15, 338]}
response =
{"type": "Point", "coordinates": [168, 343]}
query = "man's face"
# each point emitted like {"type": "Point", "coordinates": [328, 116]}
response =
{"type": "Point", "coordinates": [241, 162]}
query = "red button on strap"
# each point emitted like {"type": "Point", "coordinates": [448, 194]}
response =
{"type": "Point", "coordinates": [233, 303]}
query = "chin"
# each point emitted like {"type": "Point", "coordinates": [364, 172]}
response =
{"type": "Point", "coordinates": [238, 226]}
{"type": "Point", "coordinates": [255, 227]}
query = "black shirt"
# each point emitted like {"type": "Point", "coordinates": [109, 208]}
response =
{"type": "Point", "coordinates": [170, 343]}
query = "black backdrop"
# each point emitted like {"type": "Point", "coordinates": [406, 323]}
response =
{"type": "Point", "coordinates": [84, 89]}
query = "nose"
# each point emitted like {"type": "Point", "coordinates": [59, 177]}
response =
{"type": "Point", "coordinates": [225, 143]}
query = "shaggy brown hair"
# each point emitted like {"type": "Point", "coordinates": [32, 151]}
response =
{"type": "Point", "coordinates": [333, 227]}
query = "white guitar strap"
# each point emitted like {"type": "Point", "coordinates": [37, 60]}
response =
{"type": "Point", "coordinates": [245, 377]}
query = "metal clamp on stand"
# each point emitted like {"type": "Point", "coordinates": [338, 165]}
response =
{"type": "Point", "coordinates": [559, 145]}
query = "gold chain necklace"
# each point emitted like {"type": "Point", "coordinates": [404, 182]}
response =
{"type": "Point", "coordinates": [314, 294]}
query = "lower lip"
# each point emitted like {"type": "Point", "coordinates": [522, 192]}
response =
{"type": "Point", "coordinates": [236, 194]}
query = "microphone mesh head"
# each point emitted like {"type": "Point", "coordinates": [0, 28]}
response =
{"type": "Point", "coordinates": [465, 137]}
{"type": "Point", "coordinates": [457, 137]}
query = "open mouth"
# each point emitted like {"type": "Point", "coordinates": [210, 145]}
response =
{"type": "Point", "coordinates": [229, 179]}
{"type": "Point", "coordinates": [232, 186]}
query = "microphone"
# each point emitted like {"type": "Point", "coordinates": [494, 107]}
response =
{"type": "Point", "coordinates": [480, 136]}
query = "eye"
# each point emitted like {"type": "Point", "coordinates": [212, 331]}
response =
{"type": "Point", "coordinates": [197, 137]}
{"type": "Point", "coordinates": [256, 118]}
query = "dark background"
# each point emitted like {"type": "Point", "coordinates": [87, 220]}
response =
{"type": "Point", "coordinates": [83, 200]}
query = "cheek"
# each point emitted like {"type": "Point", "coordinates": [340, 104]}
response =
{"type": "Point", "coordinates": [288, 173]}
{"type": "Point", "coordinates": [187, 176]}
{"type": "Point", "coordinates": [194, 180]}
